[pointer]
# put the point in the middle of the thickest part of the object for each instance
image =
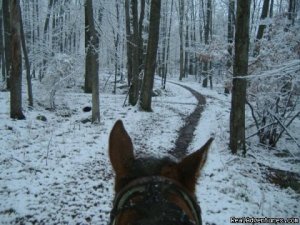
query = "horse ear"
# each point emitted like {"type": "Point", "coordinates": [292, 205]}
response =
{"type": "Point", "coordinates": [120, 150]}
{"type": "Point", "coordinates": [190, 166]}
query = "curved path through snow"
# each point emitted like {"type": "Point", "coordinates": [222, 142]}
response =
{"type": "Point", "coordinates": [186, 132]}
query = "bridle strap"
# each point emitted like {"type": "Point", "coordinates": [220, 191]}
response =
{"type": "Point", "coordinates": [140, 186]}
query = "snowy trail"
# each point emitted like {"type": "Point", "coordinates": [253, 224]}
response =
{"type": "Point", "coordinates": [186, 132]}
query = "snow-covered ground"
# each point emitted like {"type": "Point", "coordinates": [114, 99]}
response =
{"type": "Point", "coordinates": [58, 172]}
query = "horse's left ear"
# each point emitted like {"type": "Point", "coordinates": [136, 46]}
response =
{"type": "Point", "coordinates": [190, 166]}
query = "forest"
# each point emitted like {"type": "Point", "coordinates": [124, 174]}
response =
{"type": "Point", "coordinates": [176, 72]}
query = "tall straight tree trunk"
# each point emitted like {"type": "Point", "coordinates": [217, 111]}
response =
{"type": "Point", "coordinates": [187, 45]}
{"type": "Point", "coordinates": [91, 63]}
{"type": "Point", "coordinates": [134, 86]}
{"type": "Point", "coordinates": [117, 45]}
{"type": "Point", "coordinates": [240, 69]}
{"type": "Point", "coordinates": [7, 40]}
{"type": "Point", "coordinates": [230, 31]}
{"type": "Point", "coordinates": [181, 35]}
{"type": "Point", "coordinates": [166, 65]}
{"type": "Point", "coordinates": [163, 41]}
{"type": "Point", "coordinates": [147, 86]}
{"type": "Point", "coordinates": [292, 11]}
{"type": "Point", "coordinates": [128, 42]}
{"type": "Point", "coordinates": [88, 79]}
{"type": "Point", "coordinates": [193, 40]}
{"type": "Point", "coordinates": [141, 49]}
{"type": "Point", "coordinates": [16, 56]}
{"type": "Point", "coordinates": [271, 8]}
{"type": "Point", "coordinates": [27, 64]}
{"type": "Point", "coordinates": [46, 38]}
{"type": "Point", "coordinates": [206, 41]}
{"type": "Point", "coordinates": [261, 28]}
{"type": "Point", "coordinates": [2, 59]}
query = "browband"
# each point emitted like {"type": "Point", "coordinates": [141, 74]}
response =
{"type": "Point", "coordinates": [140, 186]}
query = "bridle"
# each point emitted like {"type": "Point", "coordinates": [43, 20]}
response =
{"type": "Point", "coordinates": [150, 194]}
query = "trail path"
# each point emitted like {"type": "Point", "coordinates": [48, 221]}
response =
{"type": "Point", "coordinates": [186, 132]}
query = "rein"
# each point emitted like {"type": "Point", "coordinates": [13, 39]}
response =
{"type": "Point", "coordinates": [149, 195]}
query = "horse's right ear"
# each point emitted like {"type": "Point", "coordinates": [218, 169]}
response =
{"type": "Point", "coordinates": [120, 150]}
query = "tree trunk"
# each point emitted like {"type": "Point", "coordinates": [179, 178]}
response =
{"type": "Point", "coordinates": [206, 41]}
{"type": "Point", "coordinates": [152, 45]}
{"type": "Point", "coordinates": [166, 65]}
{"type": "Point", "coordinates": [292, 11]}
{"type": "Point", "coordinates": [230, 31]}
{"type": "Point", "coordinates": [88, 79]}
{"type": "Point", "coordinates": [128, 42]}
{"type": "Point", "coordinates": [240, 69]}
{"type": "Point", "coordinates": [2, 59]}
{"type": "Point", "coordinates": [192, 66]}
{"type": "Point", "coordinates": [46, 38]}
{"type": "Point", "coordinates": [7, 40]}
{"type": "Point", "coordinates": [187, 45]}
{"type": "Point", "coordinates": [134, 87]}
{"type": "Point", "coordinates": [16, 56]}
{"type": "Point", "coordinates": [27, 64]}
{"type": "Point", "coordinates": [181, 35]}
{"type": "Point", "coordinates": [117, 45]}
{"type": "Point", "coordinates": [271, 8]}
{"type": "Point", "coordinates": [261, 28]}
{"type": "Point", "coordinates": [92, 65]}
{"type": "Point", "coordinates": [141, 49]}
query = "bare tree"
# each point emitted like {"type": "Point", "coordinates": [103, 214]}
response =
{"type": "Point", "coordinates": [230, 30]}
{"type": "Point", "coordinates": [2, 59]}
{"type": "Point", "coordinates": [181, 35]}
{"type": "Point", "coordinates": [46, 37]}
{"type": "Point", "coordinates": [147, 86]}
{"type": "Point", "coordinates": [92, 64]}
{"type": "Point", "coordinates": [207, 31]}
{"type": "Point", "coordinates": [16, 64]}
{"type": "Point", "coordinates": [128, 41]}
{"type": "Point", "coordinates": [261, 28]}
{"type": "Point", "coordinates": [292, 11]}
{"type": "Point", "coordinates": [27, 64]}
{"type": "Point", "coordinates": [134, 50]}
{"type": "Point", "coordinates": [7, 40]}
{"type": "Point", "coordinates": [240, 69]}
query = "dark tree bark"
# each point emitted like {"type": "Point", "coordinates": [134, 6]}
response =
{"type": "Point", "coordinates": [27, 64]}
{"type": "Point", "coordinates": [292, 11]}
{"type": "Point", "coordinates": [117, 45]}
{"type": "Point", "coordinates": [192, 66]}
{"type": "Point", "coordinates": [207, 31]}
{"type": "Point", "coordinates": [134, 86]}
{"type": "Point", "coordinates": [128, 41]}
{"type": "Point", "coordinates": [88, 79]}
{"type": "Point", "coordinates": [7, 40]}
{"type": "Point", "coordinates": [261, 28]}
{"type": "Point", "coordinates": [141, 49]}
{"type": "Point", "coordinates": [161, 55]}
{"type": "Point", "coordinates": [187, 44]}
{"type": "Point", "coordinates": [240, 69]}
{"type": "Point", "coordinates": [16, 57]}
{"type": "Point", "coordinates": [46, 37]}
{"type": "Point", "coordinates": [91, 63]}
{"type": "Point", "coordinates": [168, 37]}
{"type": "Point", "coordinates": [147, 86]}
{"type": "Point", "coordinates": [230, 30]}
{"type": "Point", "coordinates": [2, 59]}
{"type": "Point", "coordinates": [271, 8]}
{"type": "Point", "coordinates": [181, 35]}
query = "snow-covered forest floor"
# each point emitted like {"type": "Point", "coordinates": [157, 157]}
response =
{"type": "Point", "coordinates": [57, 171]}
